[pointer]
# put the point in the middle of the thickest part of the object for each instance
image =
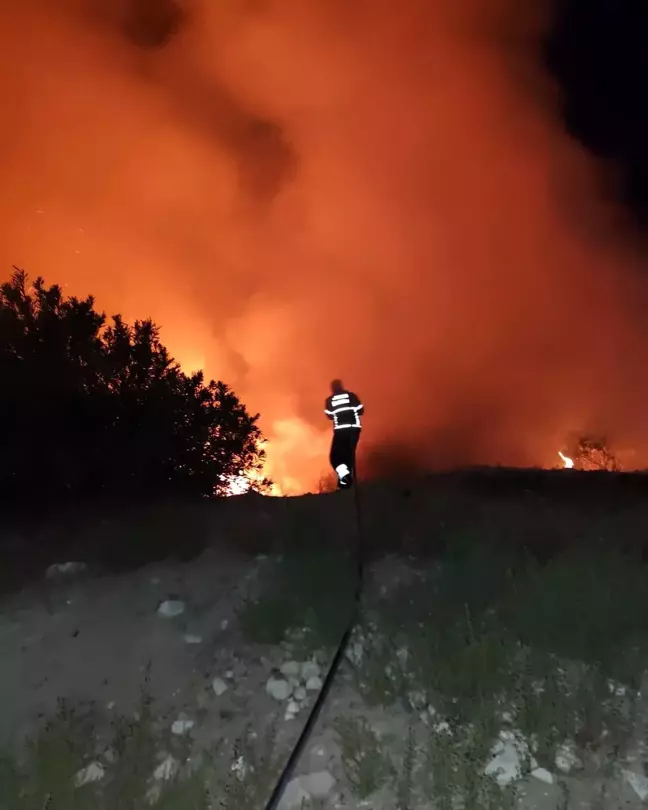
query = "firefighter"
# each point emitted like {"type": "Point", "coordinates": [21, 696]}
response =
{"type": "Point", "coordinates": [344, 409]}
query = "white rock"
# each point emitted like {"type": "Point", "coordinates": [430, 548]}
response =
{"type": "Point", "coordinates": [543, 775]}
{"type": "Point", "coordinates": [171, 608]}
{"type": "Point", "coordinates": [292, 710]}
{"type": "Point", "coordinates": [191, 639]}
{"type": "Point", "coordinates": [278, 688]}
{"type": "Point", "coordinates": [240, 768]}
{"type": "Point", "coordinates": [180, 727]}
{"type": "Point", "coordinates": [289, 715]}
{"type": "Point", "coordinates": [638, 783]}
{"type": "Point", "coordinates": [417, 699]}
{"type": "Point", "coordinates": [291, 669]}
{"type": "Point", "coordinates": [294, 796]}
{"type": "Point", "coordinates": [403, 655]}
{"type": "Point", "coordinates": [229, 674]}
{"type": "Point", "coordinates": [443, 728]}
{"type": "Point", "coordinates": [224, 624]}
{"type": "Point", "coordinates": [110, 755]}
{"type": "Point", "coordinates": [300, 693]}
{"type": "Point", "coordinates": [310, 669]}
{"type": "Point", "coordinates": [65, 569]}
{"type": "Point", "coordinates": [219, 686]}
{"type": "Point", "coordinates": [94, 772]}
{"type": "Point", "coordinates": [167, 769]}
{"type": "Point", "coordinates": [566, 757]}
{"type": "Point", "coordinates": [314, 683]}
{"type": "Point", "coordinates": [427, 715]}
{"type": "Point", "coordinates": [507, 757]}
{"type": "Point", "coordinates": [355, 653]}
{"type": "Point", "coordinates": [617, 689]}
{"type": "Point", "coordinates": [318, 785]}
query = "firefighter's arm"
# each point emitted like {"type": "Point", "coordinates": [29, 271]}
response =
{"type": "Point", "coordinates": [327, 410]}
{"type": "Point", "coordinates": [358, 405]}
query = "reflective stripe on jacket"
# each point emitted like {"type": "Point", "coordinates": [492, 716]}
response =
{"type": "Point", "coordinates": [344, 409]}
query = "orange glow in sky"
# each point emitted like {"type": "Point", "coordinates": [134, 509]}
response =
{"type": "Point", "coordinates": [297, 190]}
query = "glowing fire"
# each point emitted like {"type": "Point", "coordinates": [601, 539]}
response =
{"type": "Point", "coordinates": [240, 484]}
{"type": "Point", "coordinates": [568, 462]}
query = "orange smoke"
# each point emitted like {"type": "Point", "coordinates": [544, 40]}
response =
{"type": "Point", "coordinates": [303, 189]}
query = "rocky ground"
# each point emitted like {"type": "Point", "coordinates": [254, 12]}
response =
{"type": "Point", "coordinates": [222, 656]}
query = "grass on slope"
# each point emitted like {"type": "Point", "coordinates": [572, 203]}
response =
{"type": "Point", "coordinates": [476, 643]}
{"type": "Point", "coordinates": [481, 642]}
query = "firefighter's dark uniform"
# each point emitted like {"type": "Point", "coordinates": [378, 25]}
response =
{"type": "Point", "coordinates": [344, 409]}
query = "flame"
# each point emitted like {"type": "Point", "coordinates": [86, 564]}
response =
{"type": "Point", "coordinates": [237, 485]}
{"type": "Point", "coordinates": [248, 213]}
{"type": "Point", "coordinates": [240, 484]}
{"type": "Point", "coordinates": [295, 454]}
{"type": "Point", "coordinates": [568, 462]}
{"type": "Point", "coordinates": [294, 458]}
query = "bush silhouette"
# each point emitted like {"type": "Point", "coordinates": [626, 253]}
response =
{"type": "Point", "coordinates": [591, 452]}
{"type": "Point", "coordinates": [94, 409]}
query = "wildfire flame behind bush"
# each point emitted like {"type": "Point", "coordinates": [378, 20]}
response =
{"type": "Point", "coordinates": [591, 453]}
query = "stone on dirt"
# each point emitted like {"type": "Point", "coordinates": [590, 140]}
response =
{"type": "Point", "coordinates": [167, 769]}
{"type": "Point", "coordinates": [67, 569]}
{"type": "Point", "coordinates": [171, 608]}
{"type": "Point", "coordinates": [314, 683]}
{"type": "Point", "coordinates": [318, 784]}
{"type": "Point", "coordinates": [278, 688]}
{"type": "Point", "coordinates": [294, 796]}
{"type": "Point", "coordinates": [219, 686]}
{"type": "Point", "coordinates": [94, 772]}
{"type": "Point", "coordinates": [290, 669]}
{"type": "Point", "coordinates": [310, 669]}
{"type": "Point", "coordinates": [182, 726]}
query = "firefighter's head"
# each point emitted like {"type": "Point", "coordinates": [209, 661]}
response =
{"type": "Point", "coordinates": [337, 386]}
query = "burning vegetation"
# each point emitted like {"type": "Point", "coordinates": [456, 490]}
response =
{"type": "Point", "coordinates": [591, 453]}
{"type": "Point", "coordinates": [296, 191]}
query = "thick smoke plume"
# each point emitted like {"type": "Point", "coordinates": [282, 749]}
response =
{"type": "Point", "coordinates": [303, 189]}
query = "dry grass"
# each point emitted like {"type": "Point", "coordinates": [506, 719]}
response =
{"type": "Point", "coordinates": [526, 609]}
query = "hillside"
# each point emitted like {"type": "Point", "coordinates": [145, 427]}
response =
{"type": "Point", "coordinates": [498, 661]}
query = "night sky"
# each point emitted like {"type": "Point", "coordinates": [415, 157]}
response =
{"type": "Point", "coordinates": [596, 49]}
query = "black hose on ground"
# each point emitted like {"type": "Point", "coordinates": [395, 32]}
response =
{"type": "Point", "coordinates": [298, 750]}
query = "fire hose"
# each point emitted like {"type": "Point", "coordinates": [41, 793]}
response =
{"type": "Point", "coordinates": [314, 714]}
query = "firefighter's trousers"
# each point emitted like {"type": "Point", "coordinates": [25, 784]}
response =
{"type": "Point", "coordinates": [343, 453]}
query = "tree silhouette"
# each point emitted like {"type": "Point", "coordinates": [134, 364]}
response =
{"type": "Point", "coordinates": [93, 409]}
